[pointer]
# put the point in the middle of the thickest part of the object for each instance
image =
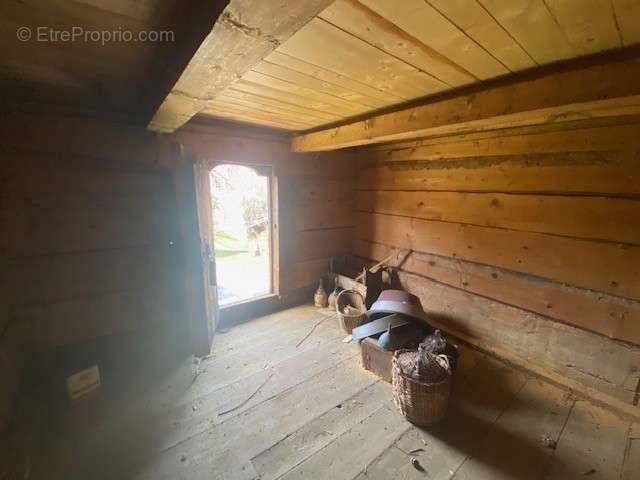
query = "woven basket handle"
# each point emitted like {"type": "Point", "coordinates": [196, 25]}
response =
{"type": "Point", "coordinates": [346, 291]}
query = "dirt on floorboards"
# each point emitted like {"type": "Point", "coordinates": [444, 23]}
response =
{"type": "Point", "coordinates": [275, 402]}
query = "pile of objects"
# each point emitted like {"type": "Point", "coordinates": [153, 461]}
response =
{"type": "Point", "coordinates": [400, 346]}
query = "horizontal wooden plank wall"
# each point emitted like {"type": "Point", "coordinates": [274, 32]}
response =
{"type": "Point", "coordinates": [88, 245]}
{"type": "Point", "coordinates": [315, 195]}
{"type": "Point", "coordinates": [525, 242]}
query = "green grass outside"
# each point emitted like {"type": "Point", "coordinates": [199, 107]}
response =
{"type": "Point", "coordinates": [227, 245]}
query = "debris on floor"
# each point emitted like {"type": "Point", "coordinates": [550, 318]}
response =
{"type": "Point", "coordinates": [548, 442]}
{"type": "Point", "coordinates": [415, 463]}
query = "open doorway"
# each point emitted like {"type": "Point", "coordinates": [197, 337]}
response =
{"type": "Point", "coordinates": [241, 198]}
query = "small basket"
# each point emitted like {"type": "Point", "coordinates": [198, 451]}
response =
{"type": "Point", "coordinates": [422, 403]}
{"type": "Point", "coordinates": [355, 299]}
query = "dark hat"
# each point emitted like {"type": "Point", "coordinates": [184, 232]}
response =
{"type": "Point", "coordinates": [396, 301]}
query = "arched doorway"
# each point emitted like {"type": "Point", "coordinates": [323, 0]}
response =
{"type": "Point", "coordinates": [241, 198]}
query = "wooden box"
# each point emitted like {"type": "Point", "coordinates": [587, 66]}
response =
{"type": "Point", "coordinates": [376, 359]}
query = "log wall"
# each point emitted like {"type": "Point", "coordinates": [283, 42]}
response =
{"type": "Point", "coordinates": [88, 227]}
{"type": "Point", "coordinates": [525, 242]}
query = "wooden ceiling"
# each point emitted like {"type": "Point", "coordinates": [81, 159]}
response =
{"type": "Point", "coordinates": [358, 56]}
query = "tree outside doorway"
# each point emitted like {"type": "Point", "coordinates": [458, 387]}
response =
{"type": "Point", "coordinates": [242, 233]}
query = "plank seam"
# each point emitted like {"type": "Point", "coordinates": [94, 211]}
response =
{"type": "Point", "coordinates": [384, 92]}
{"type": "Point", "coordinates": [585, 239]}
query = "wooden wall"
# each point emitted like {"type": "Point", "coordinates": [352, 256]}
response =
{"type": "Point", "coordinates": [526, 242]}
{"type": "Point", "coordinates": [315, 195]}
{"type": "Point", "coordinates": [87, 218]}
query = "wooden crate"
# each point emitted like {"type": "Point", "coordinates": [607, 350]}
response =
{"type": "Point", "coordinates": [376, 359]}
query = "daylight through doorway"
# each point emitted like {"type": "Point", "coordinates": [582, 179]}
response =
{"type": "Point", "coordinates": [242, 233]}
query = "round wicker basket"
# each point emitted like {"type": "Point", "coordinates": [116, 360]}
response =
{"type": "Point", "coordinates": [355, 299]}
{"type": "Point", "coordinates": [421, 402]}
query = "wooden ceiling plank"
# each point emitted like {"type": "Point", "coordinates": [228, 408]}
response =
{"type": "Point", "coordinates": [380, 97]}
{"type": "Point", "coordinates": [246, 32]}
{"type": "Point", "coordinates": [598, 90]}
{"type": "Point", "coordinates": [293, 76]}
{"type": "Point", "coordinates": [423, 22]}
{"type": "Point", "coordinates": [310, 120]}
{"type": "Point", "coordinates": [294, 99]}
{"type": "Point", "coordinates": [217, 115]}
{"type": "Point", "coordinates": [283, 106]}
{"type": "Point", "coordinates": [589, 27]}
{"type": "Point", "coordinates": [479, 25]}
{"type": "Point", "coordinates": [373, 28]}
{"type": "Point", "coordinates": [255, 117]}
{"type": "Point", "coordinates": [627, 18]}
{"type": "Point", "coordinates": [325, 45]}
{"type": "Point", "coordinates": [249, 116]}
{"type": "Point", "coordinates": [531, 23]}
{"type": "Point", "coordinates": [340, 105]}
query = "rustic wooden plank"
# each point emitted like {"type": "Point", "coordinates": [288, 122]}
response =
{"type": "Point", "coordinates": [627, 13]}
{"type": "Point", "coordinates": [304, 274]}
{"type": "Point", "coordinates": [221, 371]}
{"type": "Point", "coordinates": [228, 341]}
{"type": "Point", "coordinates": [376, 29]}
{"type": "Point", "coordinates": [320, 432]}
{"type": "Point", "coordinates": [199, 412]}
{"type": "Point", "coordinates": [563, 174]}
{"type": "Point", "coordinates": [51, 278]}
{"type": "Point", "coordinates": [479, 25]}
{"type": "Point", "coordinates": [348, 454]}
{"type": "Point", "coordinates": [240, 114]}
{"type": "Point", "coordinates": [513, 447]}
{"type": "Point", "coordinates": [596, 265]}
{"type": "Point", "coordinates": [592, 444]}
{"type": "Point", "coordinates": [588, 29]}
{"type": "Point", "coordinates": [88, 317]}
{"type": "Point", "coordinates": [441, 35]}
{"type": "Point", "coordinates": [533, 26]}
{"type": "Point", "coordinates": [531, 340]}
{"type": "Point", "coordinates": [37, 232]}
{"type": "Point", "coordinates": [612, 316]}
{"type": "Point", "coordinates": [584, 217]}
{"type": "Point", "coordinates": [232, 102]}
{"type": "Point", "coordinates": [315, 82]}
{"type": "Point", "coordinates": [609, 138]}
{"type": "Point", "coordinates": [315, 244]}
{"type": "Point", "coordinates": [595, 90]}
{"type": "Point", "coordinates": [335, 214]}
{"type": "Point", "coordinates": [265, 425]}
{"type": "Point", "coordinates": [244, 33]}
{"type": "Point", "coordinates": [93, 138]}
{"type": "Point", "coordinates": [631, 465]}
{"type": "Point", "coordinates": [354, 89]}
{"type": "Point", "coordinates": [337, 105]}
{"type": "Point", "coordinates": [325, 45]}
{"type": "Point", "coordinates": [296, 99]}
{"type": "Point", "coordinates": [263, 101]}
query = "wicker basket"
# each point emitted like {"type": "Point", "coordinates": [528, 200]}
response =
{"type": "Point", "coordinates": [421, 403]}
{"type": "Point", "coordinates": [355, 299]}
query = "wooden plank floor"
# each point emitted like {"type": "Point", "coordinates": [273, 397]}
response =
{"type": "Point", "coordinates": [270, 404]}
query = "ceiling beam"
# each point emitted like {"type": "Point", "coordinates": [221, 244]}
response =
{"type": "Point", "coordinates": [245, 33]}
{"type": "Point", "coordinates": [585, 89]}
